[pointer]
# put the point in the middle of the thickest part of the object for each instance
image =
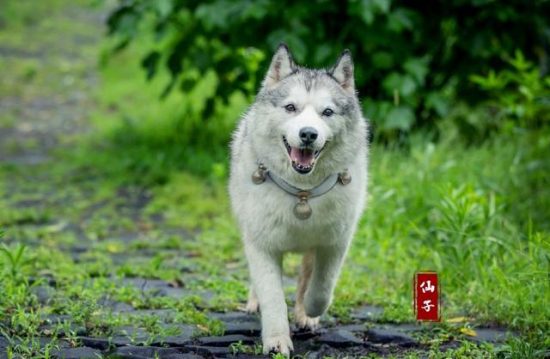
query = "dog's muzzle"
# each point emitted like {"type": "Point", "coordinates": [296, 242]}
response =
{"type": "Point", "coordinates": [303, 157]}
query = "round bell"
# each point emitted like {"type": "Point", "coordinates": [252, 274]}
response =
{"type": "Point", "coordinates": [258, 176]}
{"type": "Point", "coordinates": [302, 210]}
{"type": "Point", "coordinates": [344, 177]}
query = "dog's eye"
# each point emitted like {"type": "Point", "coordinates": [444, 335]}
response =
{"type": "Point", "coordinates": [328, 112]}
{"type": "Point", "coordinates": [290, 108]}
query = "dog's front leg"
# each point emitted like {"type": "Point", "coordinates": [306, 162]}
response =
{"type": "Point", "coordinates": [326, 269]}
{"type": "Point", "coordinates": [266, 273]}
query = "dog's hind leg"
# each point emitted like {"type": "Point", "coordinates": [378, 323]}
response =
{"type": "Point", "coordinates": [252, 304]}
{"type": "Point", "coordinates": [326, 269]}
{"type": "Point", "coordinates": [300, 316]}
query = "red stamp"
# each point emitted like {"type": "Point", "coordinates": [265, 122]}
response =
{"type": "Point", "coordinates": [426, 296]}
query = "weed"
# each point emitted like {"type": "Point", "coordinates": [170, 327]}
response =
{"type": "Point", "coordinates": [16, 261]}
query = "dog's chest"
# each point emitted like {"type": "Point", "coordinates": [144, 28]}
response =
{"type": "Point", "coordinates": [276, 224]}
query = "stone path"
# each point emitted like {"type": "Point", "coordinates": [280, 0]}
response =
{"type": "Point", "coordinates": [362, 336]}
{"type": "Point", "coordinates": [48, 116]}
{"type": "Point", "coordinates": [48, 98]}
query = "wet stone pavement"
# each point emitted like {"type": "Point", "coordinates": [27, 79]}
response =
{"type": "Point", "coordinates": [362, 336]}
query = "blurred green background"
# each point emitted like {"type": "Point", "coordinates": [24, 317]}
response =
{"type": "Point", "coordinates": [457, 93]}
{"type": "Point", "coordinates": [416, 64]}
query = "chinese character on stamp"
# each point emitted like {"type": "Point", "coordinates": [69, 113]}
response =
{"type": "Point", "coordinates": [426, 296]}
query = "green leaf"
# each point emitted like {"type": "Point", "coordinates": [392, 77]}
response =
{"type": "Point", "coordinates": [368, 9]}
{"type": "Point", "coordinates": [322, 54]}
{"type": "Point", "coordinates": [438, 103]}
{"type": "Point", "coordinates": [418, 68]}
{"type": "Point", "coordinates": [376, 111]}
{"type": "Point", "coordinates": [382, 60]}
{"type": "Point", "coordinates": [399, 118]}
{"type": "Point", "coordinates": [404, 84]}
{"type": "Point", "coordinates": [149, 63]}
{"type": "Point", "coordinates": [519, 62]}
{"type": "Point", "coordinates": [492, 81]}
{"type": "Point", "coordinates": [399, 20]}
{"type": "Point", "coordinates": [257, 10]}
{"type": "Point", "coordinates": [124, 21]}
{"type": "Point", "coordinates": [163, 7]}
{"type": "Point", "coordinates": [214, 15]}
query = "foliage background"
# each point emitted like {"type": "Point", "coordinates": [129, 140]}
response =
{"type": "Point", "coordinates": [413, 60]}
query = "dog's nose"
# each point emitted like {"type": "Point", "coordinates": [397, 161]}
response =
{"type": "Point", "coordinates": [308, 135]}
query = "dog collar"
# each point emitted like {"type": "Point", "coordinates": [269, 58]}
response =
{"type": "Point", "coordinates": [302, 210]}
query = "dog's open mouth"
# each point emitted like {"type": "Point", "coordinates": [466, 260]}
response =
{"type": "Point", "coordinates": [302, 158]}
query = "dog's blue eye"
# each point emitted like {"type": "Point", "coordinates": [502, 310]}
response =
{"type": "Point", "coordinates": [290, 108]}
{"type": "Point", "coordinates": [328, 112]}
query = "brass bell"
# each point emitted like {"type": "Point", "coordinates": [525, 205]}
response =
{"type": "Point", "coordinates": [344, 177]}
{"type": "Point", "coordinates": [259, 176]}
{"type": "Point", "coordinates": [303, 210]}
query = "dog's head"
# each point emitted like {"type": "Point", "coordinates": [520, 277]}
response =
{"type": "Point", "coordinates": [310, 118]}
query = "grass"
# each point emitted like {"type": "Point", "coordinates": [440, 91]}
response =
{"type": "Point", "coordinates": [476, 214]}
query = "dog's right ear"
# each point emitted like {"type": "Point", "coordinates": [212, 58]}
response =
{"type": "Point", "coordinates": [281, 66]}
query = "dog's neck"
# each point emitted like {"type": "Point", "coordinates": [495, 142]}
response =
{"type": "Point", "coordinates": [263, 173]}
{"type": "Point", "coordinates": [302, 209]}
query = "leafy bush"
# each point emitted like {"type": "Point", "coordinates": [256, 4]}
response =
{"type": "Point", "coordinates": [519, 95]}
{"type": "Point", "coordinates": [412, 59]}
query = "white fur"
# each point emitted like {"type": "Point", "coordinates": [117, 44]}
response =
{"type": "Point", "coordinates": [265, 212]}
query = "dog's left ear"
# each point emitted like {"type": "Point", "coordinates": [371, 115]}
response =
{"type": "Point", "coordinates": [343, 71]}
{"type": "Point", "coordinates": [281, 66]}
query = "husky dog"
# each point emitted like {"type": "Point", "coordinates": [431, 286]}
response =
{"type": "Point", "coordinates": [298, 184]}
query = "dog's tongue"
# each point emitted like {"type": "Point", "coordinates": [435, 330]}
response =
{"type": "Point", "coordinates": [302, 157]}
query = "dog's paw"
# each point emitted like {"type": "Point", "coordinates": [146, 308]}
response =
{"type": "Point", "coordinates": [305, 322]}
{"type": "Point", "coordinates": [252, 306]}
{"type": "Point", "coordinates": [278, 344]}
